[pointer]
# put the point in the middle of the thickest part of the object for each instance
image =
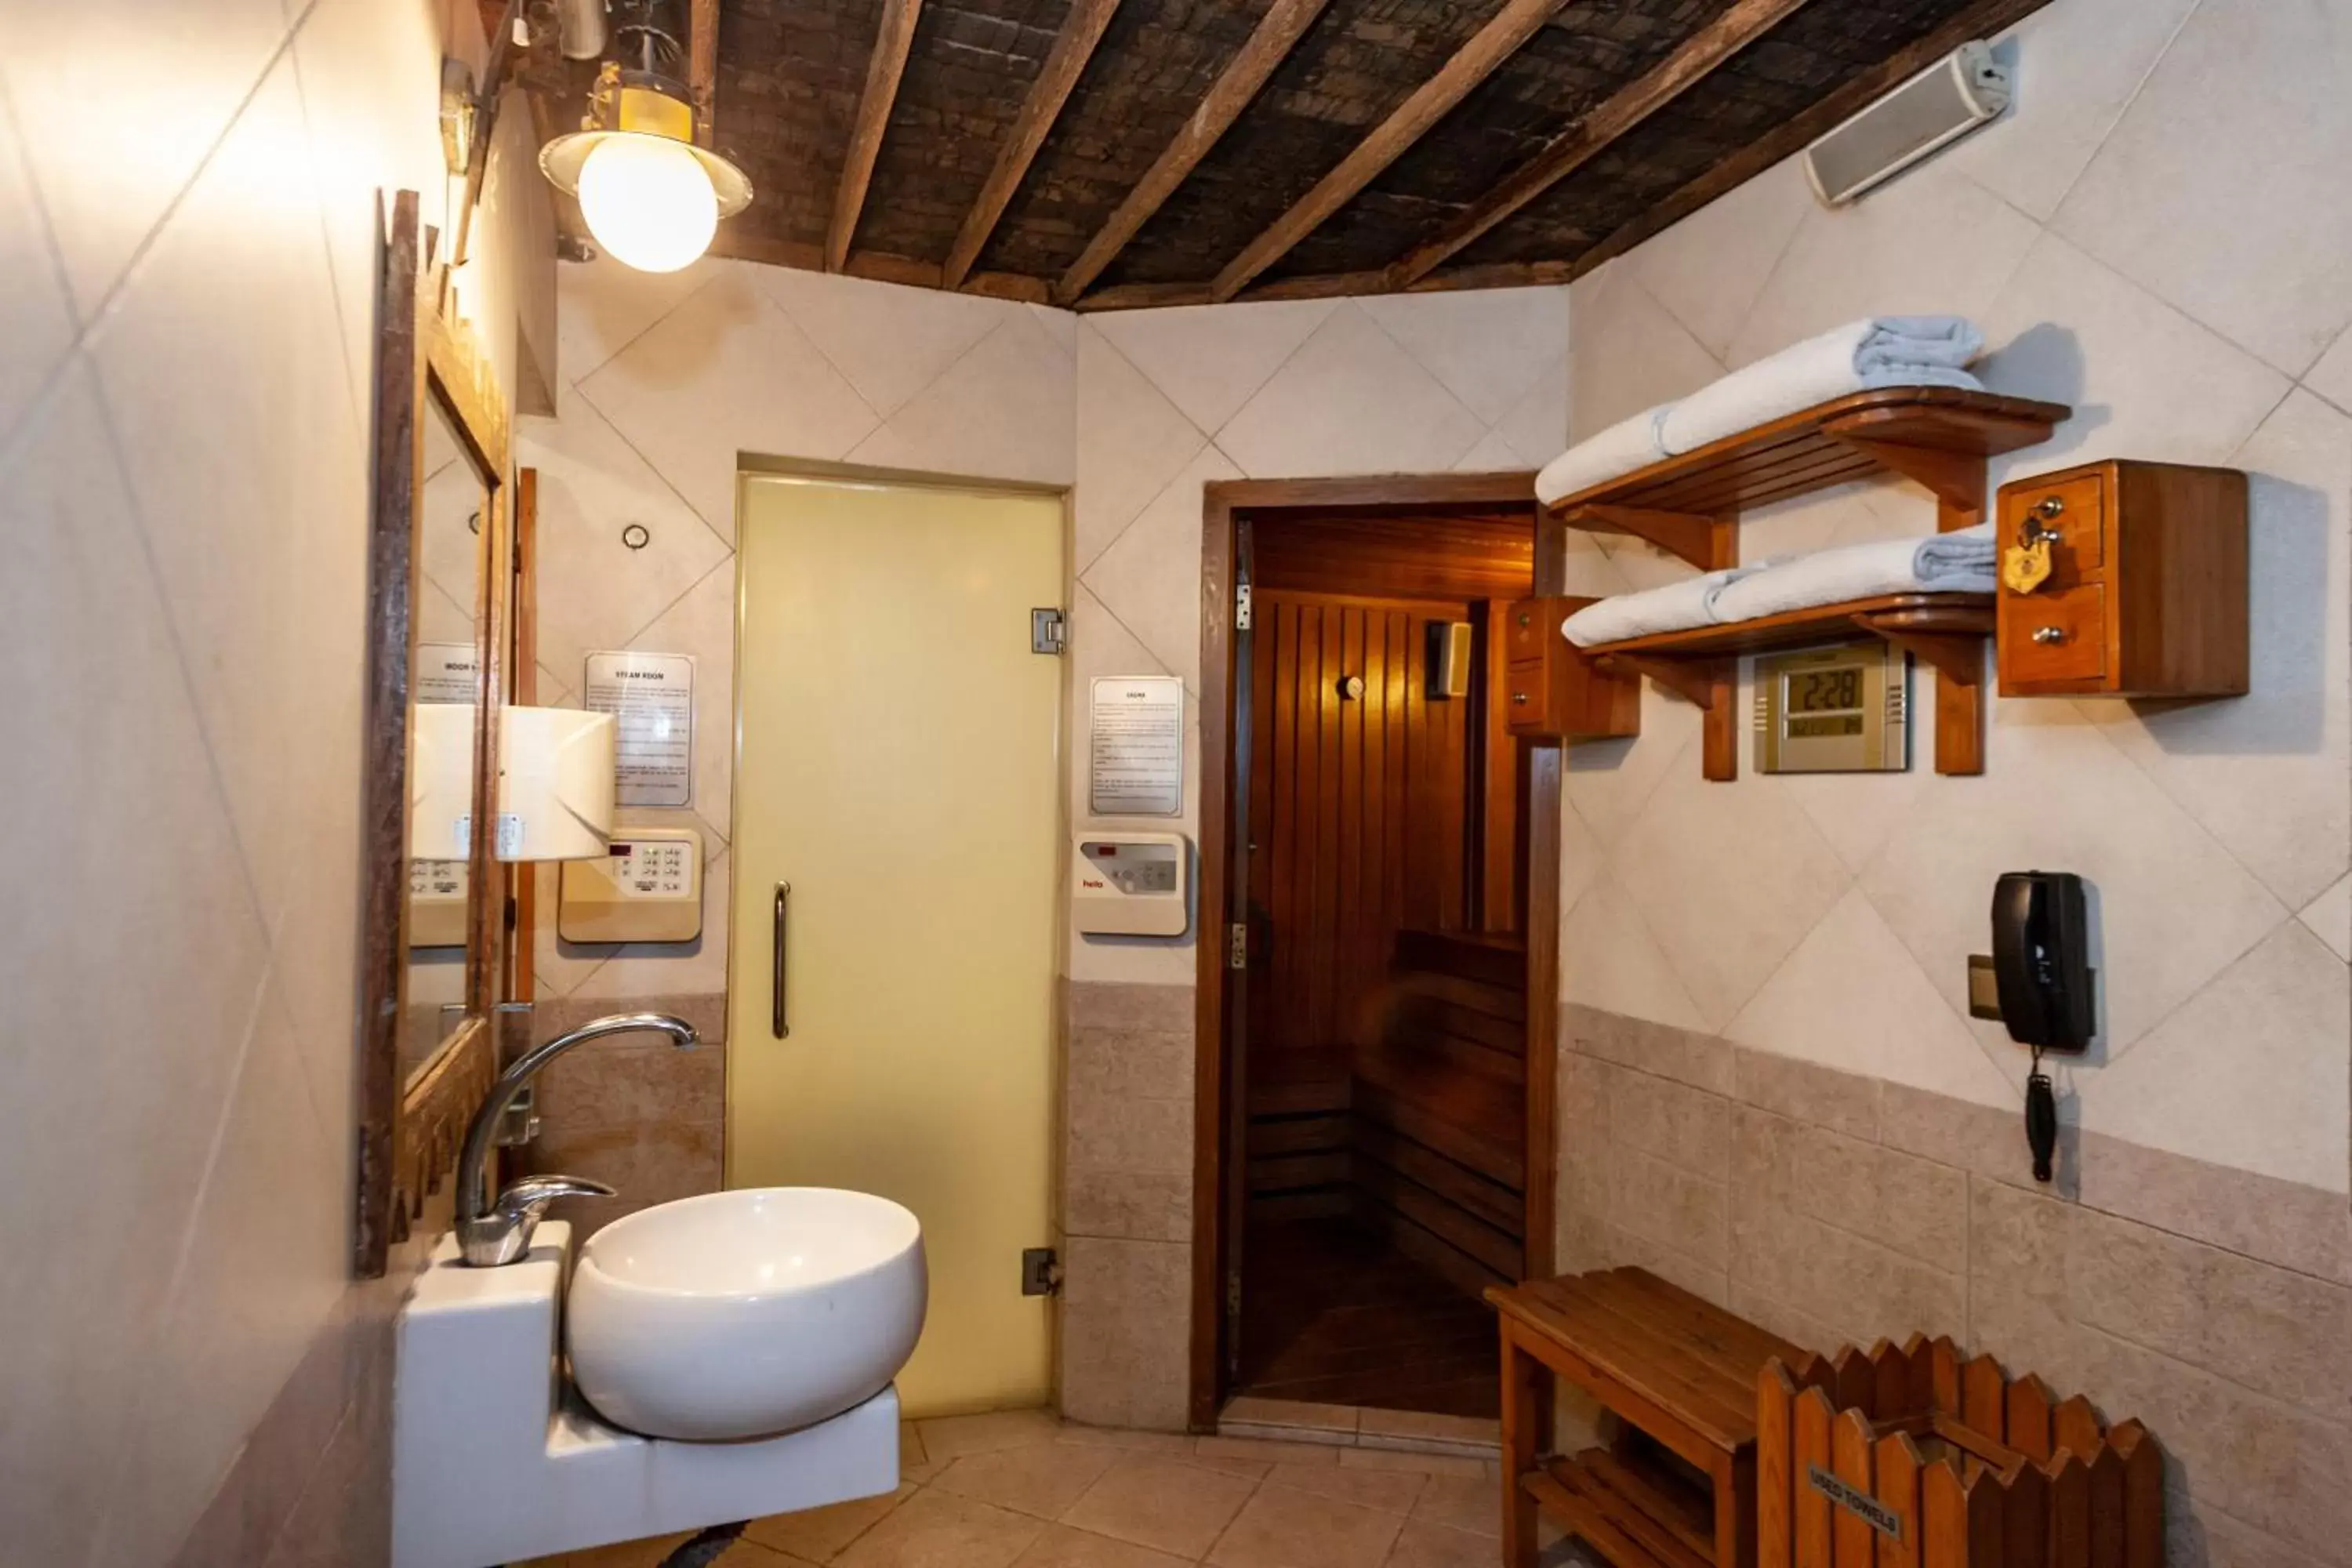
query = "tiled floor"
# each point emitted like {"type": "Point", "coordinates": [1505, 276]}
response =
{"type": "Point", "coordinates": [1022, 1488]}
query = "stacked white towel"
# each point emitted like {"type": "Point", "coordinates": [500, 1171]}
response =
{"type": "Point", "coordinates": [1877, 350]}
{"type": "Point", "coordinates": [1675, 607]}
{"type": "Point", "coordinates": [1960, 563]}
{"type": "Point", "coordinates": [1628, 445]}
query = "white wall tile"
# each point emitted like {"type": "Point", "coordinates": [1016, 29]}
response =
{"type": "Point", "coordinates": [641, 969]}
{"type": "Point", "coordinates": [1729, 880]}
{"type": "Point", "coordinates": [2331, 377]}
{"type": "Point", "coordinates": [2252, 1073]}
{"type": "Point", "coordinates": [1709, 269]}
{"type": "Point", "coordinates": [602, 307]}
{"type": "Point", "coordinates": [2173, 909]}
{"type": "Point", "coordinates": [1536, 426]}
{"type": "Point", "coordinates": [1494, 453]}
{"type": "Point", "coordinates": [241, 494]}
{"type": "Point", "coordinates": [1149, 577]}
{"type": "Point", "coordinates": [132, 1058]}
{"type": "Point", "coordinates": [1930, 241]}
{"type": "Point", "coordinates": [37, 320]}
{"type": "Point", "coordinates": [2143, 379]}
{"type": "Point", "coordinates": [2074, 69]}
{"type": "Point", "coordinates": [1850, 997]}
{"type": "Point", "coordinates": [2265, 774]}
{"type": "Point", "coordinates": [1608, 959]}
{"type": "Point", "coordinates": [120, 101]}
{"type": "Point", "coordinates": [1608, 781]}
{"type": "Point", "coordinates": [701, 624]}
{"type": "Point", "coordinates": [1350, 402]}
{"type": "Point", "coordinates": [594, 592]}
{"type": "Point", "coordinates": [1628, 352]}
{"type": "Point", "coordinates": [1210, 362]}
{"type": "Point", "coordinates": [891, 343]}
{"type": "Point", "coordinates": [725, 373]}
{"type": "Point", "coordinates": [1490, 347]}
{"type": "Point", "coordinates": [2223, 189]}
{"type": "Point", "coordinates": [1131, 440]}
{"type": "Point", "coordinates": [2329, 916]}
{"type": "Point", "coordinates": [1002, 411]}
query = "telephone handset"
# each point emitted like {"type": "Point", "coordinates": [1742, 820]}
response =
{"type": "Point", "coordinates": [2042, 968]}
{"type": "Point", "coordinates": [2041, 958]}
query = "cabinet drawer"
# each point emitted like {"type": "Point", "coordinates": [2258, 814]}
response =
{"type": "Point", "coordinates": [2073, 507]}
{"type": "Point", "coordinates": [1528, 625]}
{"type": "Point", "coordinates": [1526, 693]}
{"type": "Point", "coordinates": [2054, 639]}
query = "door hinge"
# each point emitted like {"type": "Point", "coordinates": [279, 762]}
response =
{"type": "Point", "coordinates": [1241, 607]}
{"type": "Point", "coordinates": [1049, 631]}
{"type": "Point", "coordinates": [1041, 1272]}
{"type": "Point", "coordinates": [1237, 946]}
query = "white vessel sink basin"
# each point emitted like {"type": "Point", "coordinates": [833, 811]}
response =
{"type": "Point", "coordinates": [746, 1313]}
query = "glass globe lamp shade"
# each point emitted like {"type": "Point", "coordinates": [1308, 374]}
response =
{"type": "Point", "coordinates": [648, 202]}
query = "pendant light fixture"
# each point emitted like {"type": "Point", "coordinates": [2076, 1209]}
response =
{"type": "Point", "coordinates": [651, 196]}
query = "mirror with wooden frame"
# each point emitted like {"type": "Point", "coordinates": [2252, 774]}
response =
{"type": "Point", "coordinates": [439, 554]}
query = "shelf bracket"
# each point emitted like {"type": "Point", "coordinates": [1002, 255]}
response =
{"type": "Point", "coordinates": [1956, 654]}
{"type": "Point", "coordinates": [1693, 680]}
{"type": "Point", "coordinates": [1958, 478]}
{"type": "Point", "coordinates": [1708, 683]}
{"type": "Point", "coordinates": [1708, 542]}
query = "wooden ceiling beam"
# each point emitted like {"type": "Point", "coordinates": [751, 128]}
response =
{"type": "Point", "coordinates": [702, 65]}
{"type": "Point", "coordinates": [1082, 29]}
{"type": "Point", "coordinates": [893, 36]}
{"type": "Point", "coordinates": [1277, 33]}
{"type": "Point", "coordinates": [1978, 21]}
{"type": "Point", "coordinates": [1698, 56]}
{"type": "Point", "coordinates": [1473, 63]}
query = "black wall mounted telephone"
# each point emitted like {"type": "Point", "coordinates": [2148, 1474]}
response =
{"type": "Point", "coordinates": [2042, 972]}
{"type": "Point", "coordinates": [2042, 958]}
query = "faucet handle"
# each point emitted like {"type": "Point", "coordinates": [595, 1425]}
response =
{"type": "Point", "coordinates": [526, 1200]}
{"type": "Point", "coordinates": [503, 1235]}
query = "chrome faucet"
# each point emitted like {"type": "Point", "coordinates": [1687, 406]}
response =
{"type": "Point", "coordinates": [496, 1230]}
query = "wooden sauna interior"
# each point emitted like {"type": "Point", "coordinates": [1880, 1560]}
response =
{"type": "Point", "coordinates": [1385, 1050]}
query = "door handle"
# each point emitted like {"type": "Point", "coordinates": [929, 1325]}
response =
{"type": "Point", "coordinates": [784, 940]}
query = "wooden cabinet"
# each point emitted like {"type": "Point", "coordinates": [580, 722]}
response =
{"type": "Point", "coordinates": [1551, 691]}
{"type": "Point", "coordinates": [2147, 590]}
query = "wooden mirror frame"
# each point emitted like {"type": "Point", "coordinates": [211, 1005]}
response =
{"type": "Point", "coordinates": [408, 1131]}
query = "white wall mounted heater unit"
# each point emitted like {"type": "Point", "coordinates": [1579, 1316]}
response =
{"type": "Point", "coordinates": [1933, 109]}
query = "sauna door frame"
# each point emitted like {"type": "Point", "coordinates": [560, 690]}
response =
{"type": "Point", "coordinates": [1215, 1165]}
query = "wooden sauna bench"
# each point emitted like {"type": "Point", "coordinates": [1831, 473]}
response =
{"type": "Point", "coordinates": [1680, 1371]}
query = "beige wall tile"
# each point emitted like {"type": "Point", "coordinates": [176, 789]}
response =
{"type": "Point", "coordinates": [1688, 1057]}
{"type": "Point", "coordinates": [2285, 1223]}
{"type": "Point", "coordinates": [1114, 1132]}
{"type": "Point", "coordinates": [1154, 1064]}
{"type": "Point", "coordinates": [613, 1084]}
{"type": "Point", "coordinates": [1098, 1005]}
{"type": "Point", "coordinates": [1684, 1126]}
{"type": "Point", "coordinates": [1126, 1323]}
{"type": "Point", "coordinates": [1137, 1205]}
{"type": "Point", "coordinates": [650, 1163]}
{"type": "Point", "coordinates": [1668, 1206]}
{"type": "Point", "coordinates": [1843, 1102]}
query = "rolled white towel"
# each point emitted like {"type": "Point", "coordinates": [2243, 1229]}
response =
{"type": "Point", "coordinates": [1877, 350]}
{"type": "Point", "coordinates": [1628, 445]}
{"type": "Point", "coordinates": [1675, 607]}
{"type": "Point", "coordinates": [1960, 563]}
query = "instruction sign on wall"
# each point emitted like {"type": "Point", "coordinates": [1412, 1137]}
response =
{"type": "Point", "coordinates": [447, 672]}
{"type": "Point", "coordinates": [1137, 756]}
{"type": "Point", "coordinates": [651, 698]}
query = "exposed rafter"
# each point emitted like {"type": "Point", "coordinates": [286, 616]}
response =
{"type": "Point", "coordinates": [702, 64]}
{"type": "Point", "coordinates": [1285, 23]}
{"type": "Point", "coordinates": [1704, 50]}
{"type": "Point", "coordinates": [1082, 29]}
{"type": "Point", "coordinates": [892, 38]}
{"type": "Point", "coordinates": [1472, 64]}
{"type": "Point", "coordinates": [1979, 21]}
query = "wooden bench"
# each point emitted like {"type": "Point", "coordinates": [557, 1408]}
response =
{"type": "Point", "coordinates": [1676, 1368]}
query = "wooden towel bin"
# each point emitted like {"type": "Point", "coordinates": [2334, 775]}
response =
{"type": "Point", "coordinates": [1968, 1468]}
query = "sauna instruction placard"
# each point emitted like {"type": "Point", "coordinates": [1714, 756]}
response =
{"type": "Point", "coordinates": [1137, 761]}
{"type": "Point", "coordinates": [447, 672]}
{"type": "Point", "coordinates": [651, 698]}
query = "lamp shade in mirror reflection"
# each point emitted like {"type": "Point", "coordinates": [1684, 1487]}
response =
{"type": "Point", "coordinates": [555, 792]}
{"type": "Point", "coordinates": [651, 197]}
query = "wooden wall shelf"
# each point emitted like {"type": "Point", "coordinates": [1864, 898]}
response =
{"type": "Point", "coordinates": [1690, 505]}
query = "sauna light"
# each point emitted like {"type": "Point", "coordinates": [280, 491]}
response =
{"type": "Point", "coordinates": [652, 199]}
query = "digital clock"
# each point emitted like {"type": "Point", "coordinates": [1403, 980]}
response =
{"type": "Point", "coordinates": [1839, 709]}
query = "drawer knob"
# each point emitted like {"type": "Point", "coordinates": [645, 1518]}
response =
{"type": "Point", "coordinates": [2048, 636]}
{"type": "Point", "coordinates": [1525, 618]}
{"type": "Point", "coordinates": [2050, 507]}
{"type": "Point", "coordinates": [1518, 699]}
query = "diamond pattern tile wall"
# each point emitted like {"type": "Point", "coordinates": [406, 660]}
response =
{"type": "Point", "coordinates": [2133, 248]}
